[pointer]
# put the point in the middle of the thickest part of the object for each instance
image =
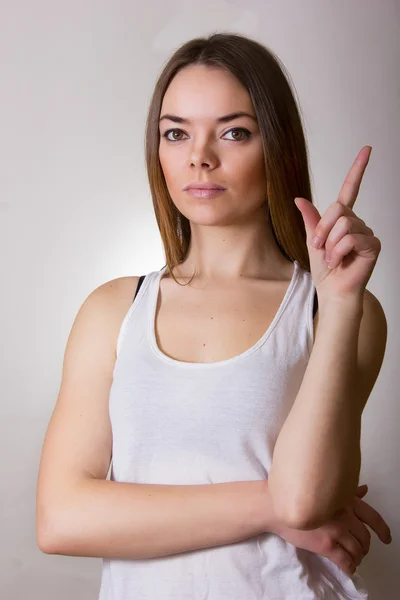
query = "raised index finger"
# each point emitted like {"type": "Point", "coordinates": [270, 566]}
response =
{"type": "Point", "coordinates": [349, 190]}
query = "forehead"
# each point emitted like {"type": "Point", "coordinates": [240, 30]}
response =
{"type": "Point", "coordinates": [200, 92]}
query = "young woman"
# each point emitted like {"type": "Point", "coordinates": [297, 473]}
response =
{"type": "Point", "coordinates": [233, 426]}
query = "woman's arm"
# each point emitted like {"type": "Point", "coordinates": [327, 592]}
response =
{"type": "Point", "coordinates": [79, 511]}
{"type": "Point", "coordinates": [111, 519]}
{"type": "Point", "coordinates": [317, 457]}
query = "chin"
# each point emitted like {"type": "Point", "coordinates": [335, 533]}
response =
{"type": "Point", "coordinates": [212, 220]}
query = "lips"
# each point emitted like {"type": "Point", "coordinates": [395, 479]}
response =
{"type": "Point", "coordinates": [203, 186]}
{"type": "Point", "coordinates": [205, 193]}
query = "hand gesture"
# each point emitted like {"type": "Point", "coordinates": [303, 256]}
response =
{"type": "Point", "coordinates": [344, 540]}
{"type": "Point", "coordinates": [343, 260]}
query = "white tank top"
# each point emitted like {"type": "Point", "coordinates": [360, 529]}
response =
{"type": "Point", "coordinates": [183, 423]}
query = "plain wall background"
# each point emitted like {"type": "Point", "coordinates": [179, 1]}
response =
{"type": "Point", "coordinates": [75, 209]}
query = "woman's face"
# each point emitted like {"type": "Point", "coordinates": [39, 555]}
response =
{"type": "Point", "coordinates": [204, 151]}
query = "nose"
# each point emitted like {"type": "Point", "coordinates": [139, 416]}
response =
{"type": "Point", "coordinates": [202, 155]}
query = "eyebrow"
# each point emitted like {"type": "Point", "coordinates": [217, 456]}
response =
{"type": "Point", "coordinates": [224, 119]}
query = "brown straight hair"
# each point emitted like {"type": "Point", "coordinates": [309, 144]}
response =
{"type": "Point", "coordinates": [264, 76]}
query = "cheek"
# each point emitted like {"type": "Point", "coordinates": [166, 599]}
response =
{"type": "Point", "coordinates": [247, 158]}
{"type": "Point", "coordinates": [171, 167]}
{"type": "Point", "coordinates": [247, 169]}
{"type": "Point", "coordinates": [168, 170]}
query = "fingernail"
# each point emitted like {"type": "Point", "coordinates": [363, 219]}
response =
{"type": "Point", "coordinates": [315, 242]}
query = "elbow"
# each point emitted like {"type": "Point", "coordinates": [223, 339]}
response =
{"type": "Point", "coordinates": [297, 516]}
{"type": "Point", "coordinates": [308, 513]}
{"type": "Point", "coordinates": [321, 512]}
{"type": "Point", "coordinates": [292, 519]}
{"type": "Point", "coordinates": [308, 522]}
{"type": "Point", "coordinates": [309, 519]}
{"type": "Point", "coordinates": [303, 521]}
{"type": "Point", "coordinates": [44, 542]}
{"type": "Point", "coordinates": [45, 533]}
{"type": "Point", "coordinates": [288, 516]}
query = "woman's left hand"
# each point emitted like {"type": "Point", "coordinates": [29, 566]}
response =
{"type": "Point", "coordinates": [345, 239]}
{"type": "Point", "coordinates": [344, 539]}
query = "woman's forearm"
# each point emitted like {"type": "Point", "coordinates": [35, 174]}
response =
{"type": "Point", "coordinates": [317, 457]}
{"type": "Point", "coordinates": [105, 518]}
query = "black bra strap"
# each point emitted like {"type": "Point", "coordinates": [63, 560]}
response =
{"type": "Point", "coordinates": [141, 279]}
{"type": "Point", "coordinates": [315, 303]}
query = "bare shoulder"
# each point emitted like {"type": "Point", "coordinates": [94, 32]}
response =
{"type": "Point", "coordinates": [115, 297]}
{"type": "Point", "coordinates": [119, 290]}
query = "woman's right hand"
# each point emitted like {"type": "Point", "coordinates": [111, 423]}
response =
{"type": "Point", "coordinates": [344, 540]}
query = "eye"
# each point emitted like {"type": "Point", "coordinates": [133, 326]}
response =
{"type": "Point", "coordinates": [243, 130]}
{"type": "Point", "coordinates": [165, 135]}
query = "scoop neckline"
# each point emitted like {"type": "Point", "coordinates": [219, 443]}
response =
{"type": "Point", "coordinates": [219, 363]}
